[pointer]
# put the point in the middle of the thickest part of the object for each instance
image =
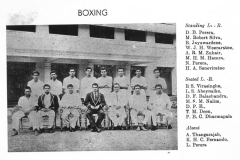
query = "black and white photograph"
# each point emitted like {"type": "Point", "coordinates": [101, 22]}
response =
{"type": "Point", "coordinates": [92, 87]}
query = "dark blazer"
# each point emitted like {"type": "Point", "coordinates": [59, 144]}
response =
{"type": "Point", "coordinates": [54, 102]}
{"type": "Point", "coordinates": [89, 100]}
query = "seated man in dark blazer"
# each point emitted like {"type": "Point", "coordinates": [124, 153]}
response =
{"type": "Point", "coordinates": [95, 102]}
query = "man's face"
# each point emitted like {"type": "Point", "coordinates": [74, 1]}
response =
{"type": "Point", "coordinates": [88, 72]}
{"type": "Point", "coordinates": [138, 72]}
{"type": "Point", "coordinates": [47, 89]}
{"type": "Point", "coordinates": [157, 73]}
{"type": "Point", "coordinates": [72, 72]}
{"type": "Point", "coordinates": [54, 76]}
{"type": "Point", "coordinates": [35, 77]}
{"type": "Point", "coordinates": [159, 89]}
{"type": "Point", "coordinates": [27, 92]}
{"type": "Point", "coordinates": [116, 88]}
{"type": "Point", "coordinates": [95, 88]}
{"type": "Point", "coordinates": [120, 72]}
{"type": "Point", "coordinates": [103, 73]}
{"type": "Point", "coordinates": [70, 90]}
{"type": "Point", "coordinates": [137, 90]}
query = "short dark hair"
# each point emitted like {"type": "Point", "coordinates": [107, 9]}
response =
{"type": "Point", "coordinates": [27, 87]}
{"type": "Point", "coordinates": [137, 85]}
{"type": "Point", "coordinates": [35, 72]}
{"type": "Point", "coordinates": [156, 70]}
{"type": "Point", "coordinates": [116, 84]}
{"type": "Point", "coordinates": [88, 68]}
{"type": "Point", "coordinates": [94, 84]}
{"type": "Point", "coordinates": [103, 68]}
{"type": "Point", "coordinates": [138, 69]}
{"type": "Point", "coordinates": [158, 85]}
{"type": "Point", "coordinates": [45, 85]}
{"type": "Point", "coordinates": [70, 85]}
{"type": "Point", "coordinates": [71, 69]}
{"type": "Point", "coordinates": [120, 68]}
{"type": "Point", "coordinates": [53, 71]}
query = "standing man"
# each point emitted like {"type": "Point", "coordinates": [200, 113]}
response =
{"type": "Point", "coordinates": [105, 84]}
{"type": "Point", "coordinates": [71, 80]}
{"type": "Point", "coordinates": [36, 86]}
{"type": "Point", "coordinates": [159, 102]}
{"type": "Point", "coordinates": [70, 104]}
{"type": "Point", "coordinates": [26, 107]}
{"type": "Point", "coordinates": [140, 80]}
{"type": "Point", "coordinates": [95, 103]}
{"type": "Point", "coordinates": [157, 80]}
{"type": "Point", "coordinates": [138, 105]}
{"type": "Point", "coordinates": [47, 106]}
{"type": "Point", "coordinates": [122, 81]}
{"type": "Point", "coordinates": [86, 83]}
{"type": "Point", "coordinates": [117, 105]}
{"type": "Point", "coordinates": [56, 85]}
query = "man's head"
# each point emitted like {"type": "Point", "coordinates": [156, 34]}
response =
{"type": "Point", "coordinates": [53, 75]}
{"type": "Point", "coordinates": [116, 87]}
{"type": "Point", "coordinates": [156, 73]}
{"type": "Point", "coordinates": [46, 88]}
{"type": "Point", "coordinates": [35, 75]}
{"type": "Point", "coordinates": [120, 72]}
{"type": "Point", "coordinates": [72, 72]}
{"type": "Point", "coordinates": [27, 91]}
{"type": "Point", "coordinates": [158, 88]}
{"type": "Point", "coordinates": [70, 88]}
{"type": "Point", "coordinates": [103, 72]}
{"type": "Point", "coordinates": [88, 71]}
{"type": "Point", "coordinates": [138, 72]}
{"type": "Point", "coordinates": [95, 87]}
{"type": "Point", "coordinates": [137, 89]}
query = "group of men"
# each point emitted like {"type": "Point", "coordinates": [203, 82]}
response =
{"type": "Point", "coordinates": [92, 96]}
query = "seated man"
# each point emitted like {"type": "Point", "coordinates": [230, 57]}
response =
{"type": "Point", "coordinates": [160, 103]}
{"type": "Point", "coordinates": [70, 104]}
{"type": "Point", "coordinates": [118, 101]}
{"type": "Point", "coordinates": [26, 107]}
{"type": "Point", "coordinates": [95, 102]}
{"type": "Point", "coordinates": [138, 105]}
{"type": "Point", "coordinates": [47, 106]}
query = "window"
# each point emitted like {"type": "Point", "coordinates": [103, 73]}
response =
{"type": "Point", "coordinates": [134, 35]}
{"type": "Point", "coordinates": [163, 38]}
{"type": "Point", "coordinates": [26, 28]}
{"type": "Point", "coordinates": [71, 30]}
{"type": "Point", "coordinates": [101, 32]}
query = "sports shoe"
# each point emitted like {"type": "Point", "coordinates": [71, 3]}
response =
{"type": "Point", "coordinates": [169, 126]}
{"type": "Point", "coordinates": [14, 133]}
{"type": "Point", "coordinates": [143, 128]}
{"type": "Point", "coordinates": [36, 132]}
{"type": "Point", "coordinates": [138, 128]}
{"type": "Point", "coordinates": [154, 128]}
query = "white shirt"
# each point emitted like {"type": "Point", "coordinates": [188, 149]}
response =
{"type": "Point", "coordinates": [161, 102]}
{"type": "Point", "coordinates": [56, 87]}
{"type": "Point", "coordinates": [122, 81]}
{"type": "Point", "coordinates": [139, 80]}
{"type": "Point", "coordinates": [47, 99]}
{"type": "Point", "coordinates": [155, 81]}
{"type": "Point", "coordinates": [71, 100]}
{"type": "Point", "coordinates": [74, 81]}
{"type": "Point", "coordinates": [26, 103]}
{"type": "Point", "coordinates": [105, 81]}
{"type": "Point", "coordinates": [138, 102]}
{"type": "Point", "coordinates": [36, 87]}
{"type": "Point", "coordinates": [86, 85]}
{"type": "Point", "coordinates": [118, 99]}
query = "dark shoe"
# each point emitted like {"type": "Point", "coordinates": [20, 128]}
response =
{"type": "Point", "coordinates": [72, 129]}
{"type": "Point", "coordinates": [36, 132]}
{"type": "Point", "coordinates": [143, 128]}
{"type": "Point", "coordinates": [31, 128]}
{"type": "Point", "coordinates": [98, 130]}
{"type": "Point", "coordinates": [51, 130]}
{"type": "Point", "coordinates": [154, 128]}
{"type": "Point", "coordinates": [93, 130]}
{"type": "Point", "coordinates": [138, 128]}
{"type": "Point", "coordinates": [169, 126]}
{"type": "Point", "coordinates": [14, 133]}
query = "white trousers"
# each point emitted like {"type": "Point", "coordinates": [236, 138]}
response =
{"type": "Point", "coordinates": [117, 116]}
{"type": "Point", "coordinates": [70, 117]}
{"type": "Point", "coordinates": [33, 118]}
{"type": "Point", "coordinates": [134, 113]}
{"type": "Point", "coordinates": [167, 118]}
{"type": "Point", "coordinates": [50, 114]}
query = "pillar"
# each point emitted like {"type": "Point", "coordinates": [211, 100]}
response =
{"type": "Point", "coordinates": [119, 34]}
{"type": "Point", "coordinates": [150, 37]}
{"type": "Point", "coordinates": [81, 71]}
{"type": "Point", "coordinates": [39, 68]}
{"type": "Point", "coordinates": [84, 31]}
{"type": "Point", "coordinates": [42, 29]}
{"type": "Point", "coordinates": [174, 81]}
{"type": "Point", "coordinates": [47, 70]}
{"type": "Point", "coordinates": [149, 75]}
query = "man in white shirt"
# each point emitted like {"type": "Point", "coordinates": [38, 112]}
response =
{"type": "Point", "coordinates": [70, 105]}
{"type": "Point", "coordinates": [123, 82]}
{"type": "Point", "coordinates": [105, 84]}
{"type": "Point", "coordinates": [26, 107]}
{"type": "Point", "coordinates": [86, 83]}
{"type": "Point", "coordinates": [138, 105]}
{"type": "Point", "coordinates": [56, 85]}
{"type": "Point", "coordinates": [160, 103]}
{"type": "Point", "coordinates": [140, 80]}
{"type": "Point", "coordinates": [71, 80]}
{"type": "Point", "coordinates": [157, 80]}
{"type": "Point", "coordinates": [117, 104]}
{"type": "Point", "coordinates": [36, 86]}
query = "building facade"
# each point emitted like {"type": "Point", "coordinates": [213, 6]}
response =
{"type": "Point", "coordinates": [47, 47]}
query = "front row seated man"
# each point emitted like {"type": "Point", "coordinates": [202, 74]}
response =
{"type": "Point", "coordinates": [138, 105]}
{"type": "Point", "coordinates": [159, 102]}
{"type": "Point", "coordinates": [70, 105]}
{"type": "Point", "coordinates": [47, 106]}
{"type": "Point", "coordinates": [26, 107]}
{"type": "Point", "coordinates": [95, 102]}
{"type": "Point", "coordinates": [117, 104]}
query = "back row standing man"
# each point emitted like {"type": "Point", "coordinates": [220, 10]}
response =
{"type": "Point", "coordinates": [71, 79]}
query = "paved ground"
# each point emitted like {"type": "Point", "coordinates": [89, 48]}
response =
{"type": "Point", "coordinates": [107, 140]}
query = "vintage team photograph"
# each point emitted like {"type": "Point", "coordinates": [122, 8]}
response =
{"type": "Point", "coordinates": [92, 87]}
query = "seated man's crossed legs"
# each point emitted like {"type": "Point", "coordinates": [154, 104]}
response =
{"type": "Point", "coordinates": [70, 118]}
{"type": "Point", "coordinates": [51, 117]}
{"type": "Point", "coordinates": [95, 126]}
{"type": "Point", "coordinates": [134, 113]}
{"type": "Point", "coordinates": [117, 116]}
{"type": "Point", "coordinates": [167, 117]}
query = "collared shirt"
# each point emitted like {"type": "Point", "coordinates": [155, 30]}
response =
{"type": "Point", "coordinates": [74, 81]}
{"type": "Point", "coordinates": [56, 87]}
{"type": "Point", "coordinates": [138, 102]}
{"type": "Point", "coordinates": [139, 80]}
{"type": "Point", "coordinates": [86, 85]}
{"type": "Point", "coordinates": [27, 103]}
{"type": "Point", "coordinates": [71, 100]}
{"type": "Point", "coordinates": [155, 81]}
{"type": "Point", "coordinates": [161, 101]}
{"type": "Point", "coordinates": [118, 99]}
{"type": "Point", "coordinates": [122, 81]}
{"type": "Point", "coordinates": [47, 99]}
{"type": "Point", "coordinates": [36, 87]}
{"type": "Point", "coordinates": [105, 81]}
